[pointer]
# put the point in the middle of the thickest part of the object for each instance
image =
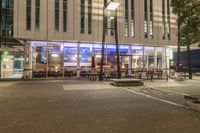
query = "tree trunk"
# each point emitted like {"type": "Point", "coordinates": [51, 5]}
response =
{"type": "Point", "coordinates": [189, 62]}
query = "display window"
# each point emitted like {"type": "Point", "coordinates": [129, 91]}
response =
{"type": "Point", "coordinates": [12, 65]}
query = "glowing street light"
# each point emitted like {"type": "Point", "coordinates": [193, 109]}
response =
{"type": "Point", "coordinates": [112, 6]}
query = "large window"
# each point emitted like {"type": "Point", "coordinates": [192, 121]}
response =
{"type": "Point", "coordinates": [28, 14]}
{"type": "Point", "coordinates": [137, 58]}
{"type": "Point", "coordinates": [151, 19]}
{"type": "Point", "coordinates": [168, 20]}
{"type": "Point", "coordinates": [12, 65]}
{"type": "Point", "coordinates": [70, 54]}
{"type": "Point", "coordinates": [57, 15]}
{"type": "Point", "coordinates": [126, 19]}
{"type": "Point", "coordinates": [145, 19]}
{"type": "Point", "coordinates": [86, 52]}
{"type": "Point", "coordinates": [149, 55]}
{"type": "Point", "coordinates": [7, 26]}
{"type": "Point", "coordinates": [163, 19]}
{"type": "Point", "coordinates": [65, 15]}
{"type": "Point", "coordinates": [89, 16]}
{"type": "Point", "coordinates": [82, 16]}
{"type": "Point", "coordinates": [39, 59]}
{"type": "Point", "coordinates": [7, 3]}
{"type": "Point", "coordinates": [37, 14]}
{"type": "Point", "coordinates": [132, 18]}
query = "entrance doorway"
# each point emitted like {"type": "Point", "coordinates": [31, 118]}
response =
{"type": "Point", "coordinates": [55, 61]}
{"type": "Point", "coordinates": [126, 64]}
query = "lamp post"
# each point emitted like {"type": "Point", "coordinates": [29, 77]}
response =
{"type": "Point", "coordinates": [110, 6]}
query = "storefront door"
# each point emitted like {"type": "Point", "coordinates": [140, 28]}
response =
{"type": "Point", "coordinates": [55, 61]}
{"type": "Point", "coordinates": [126, 63]}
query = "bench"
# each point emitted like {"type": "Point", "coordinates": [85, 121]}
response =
{"type": "Point", "coordinates": [127, 82]}
{"type": "Point", "coordinates": [184, 75]}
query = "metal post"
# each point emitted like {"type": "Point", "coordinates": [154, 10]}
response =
{"type": "Point", "coordinates": [103, 46]}
{"type": "Point", "coordinates": [0, 34]}
{"type": "Point", "coordinates": [63, 71]}
{"type": "Point", "coordinates": [178, 45]}
{"type": "Point", "coordinates": [117, 46]}
{"type": "Point", "coordinates": [47, 61]}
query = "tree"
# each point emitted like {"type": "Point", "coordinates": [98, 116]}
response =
{"type": "Point", "coordinates": [188, 13]}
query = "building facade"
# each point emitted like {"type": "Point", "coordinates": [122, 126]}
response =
{"type": "Point", "coordinates": [61, 35]}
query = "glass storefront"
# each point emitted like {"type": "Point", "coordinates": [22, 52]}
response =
{"type": "Point", "coordinates": [56, 59]}
{"type": "Point", "coordinates": [12, 65]}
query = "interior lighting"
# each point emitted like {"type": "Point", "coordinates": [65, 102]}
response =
{"type": "Point", "coordinates": [54, 55]}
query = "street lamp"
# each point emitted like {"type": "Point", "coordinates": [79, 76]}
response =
{"type": "Point", "coordinates": [110, 6]}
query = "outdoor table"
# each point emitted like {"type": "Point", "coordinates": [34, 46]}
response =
{"type": "Point", "coordinates": [93, 76]}
{"type": "Point", "coordinates": [136, 75]}
{"type": "Point", "coordinates": [150, 75]}
{"type": "Point", "coordinates": [69, 73]}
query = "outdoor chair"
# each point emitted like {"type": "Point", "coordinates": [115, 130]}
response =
{"type": "Point", "coordinates": [143, 75]}
{"type": "Point", "coordinates": [178, 77]}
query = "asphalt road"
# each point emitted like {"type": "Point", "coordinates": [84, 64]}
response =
{"type": "Point", "coordinates": [88, 107]}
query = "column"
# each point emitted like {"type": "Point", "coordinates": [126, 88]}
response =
{"type": "Point", "coordinates": [155, 58]}
{"type": "Point", "coordinates": [78, 60]}
{"type": "Point", "coordinates": [30, 61]}
{"type": "Point", "coordinates": [130, 60]}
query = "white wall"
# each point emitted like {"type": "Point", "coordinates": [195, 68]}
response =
{"type": "Point", "coordinates": [47, 32]}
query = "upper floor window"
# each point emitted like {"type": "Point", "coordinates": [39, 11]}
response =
{"type": "Point", "coordinates": [82, 16]}
{"type": "Point", "coordinates": [151, 19]}
{"type": "Point", "coordinates": [28, 14]}
{"type": "Point", "coordinates": [89, 16]}
{"type": "Point", "coordinates": [168, 20]}
{"type": "Point", "coordinates": [163, 19]}
{"type": "Point", "coordinates": [126, 19]}
{"type": "Point", "coordinates": [65, 15]}
{"type": "Point", "coordinates": [7, 3]}
{"type": "Point", "coordinates": [6, 28]}
{"type": "Point", "coordinates": [57, 15]}
{"type": "Point", "coordinates": [145, 19]}
{"type": "Point", "coordinates": [132, 18]}
{"type": "Point", "coordinates": [37, 14]}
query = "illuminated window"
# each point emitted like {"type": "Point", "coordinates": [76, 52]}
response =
{"type": "Point", "coordinates": [151, 19]}
{"type": "Point", "coordinates": [145, 19]}
{"type": "Point", "coordinates": [132, 18]}
{"type": "Point", "coordinates": [126, 19]}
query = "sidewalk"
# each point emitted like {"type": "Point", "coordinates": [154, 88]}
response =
{"type": "Point", "coordinates": [187, 86]}
{"type": "Point", "coordinates": [7, 83]}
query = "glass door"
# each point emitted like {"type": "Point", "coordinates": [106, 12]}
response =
{"type": "Point", "coordinates": [126, 64]}
{"type": "Point", "coordinates": [55, 60]}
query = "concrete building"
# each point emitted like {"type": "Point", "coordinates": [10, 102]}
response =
{"type": "Point", "coordinates": [53, 37]}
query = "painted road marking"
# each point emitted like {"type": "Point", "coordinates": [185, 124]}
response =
{"type": "Point", "coordinates": [88, 87]}
{"type": "Point", "coordinates": [158, 99]}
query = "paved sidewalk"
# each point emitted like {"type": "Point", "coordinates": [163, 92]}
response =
{"type": "Point", "coordinates": [6, 83]}
{"type": "Point", "coordinates": [187, 86]}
